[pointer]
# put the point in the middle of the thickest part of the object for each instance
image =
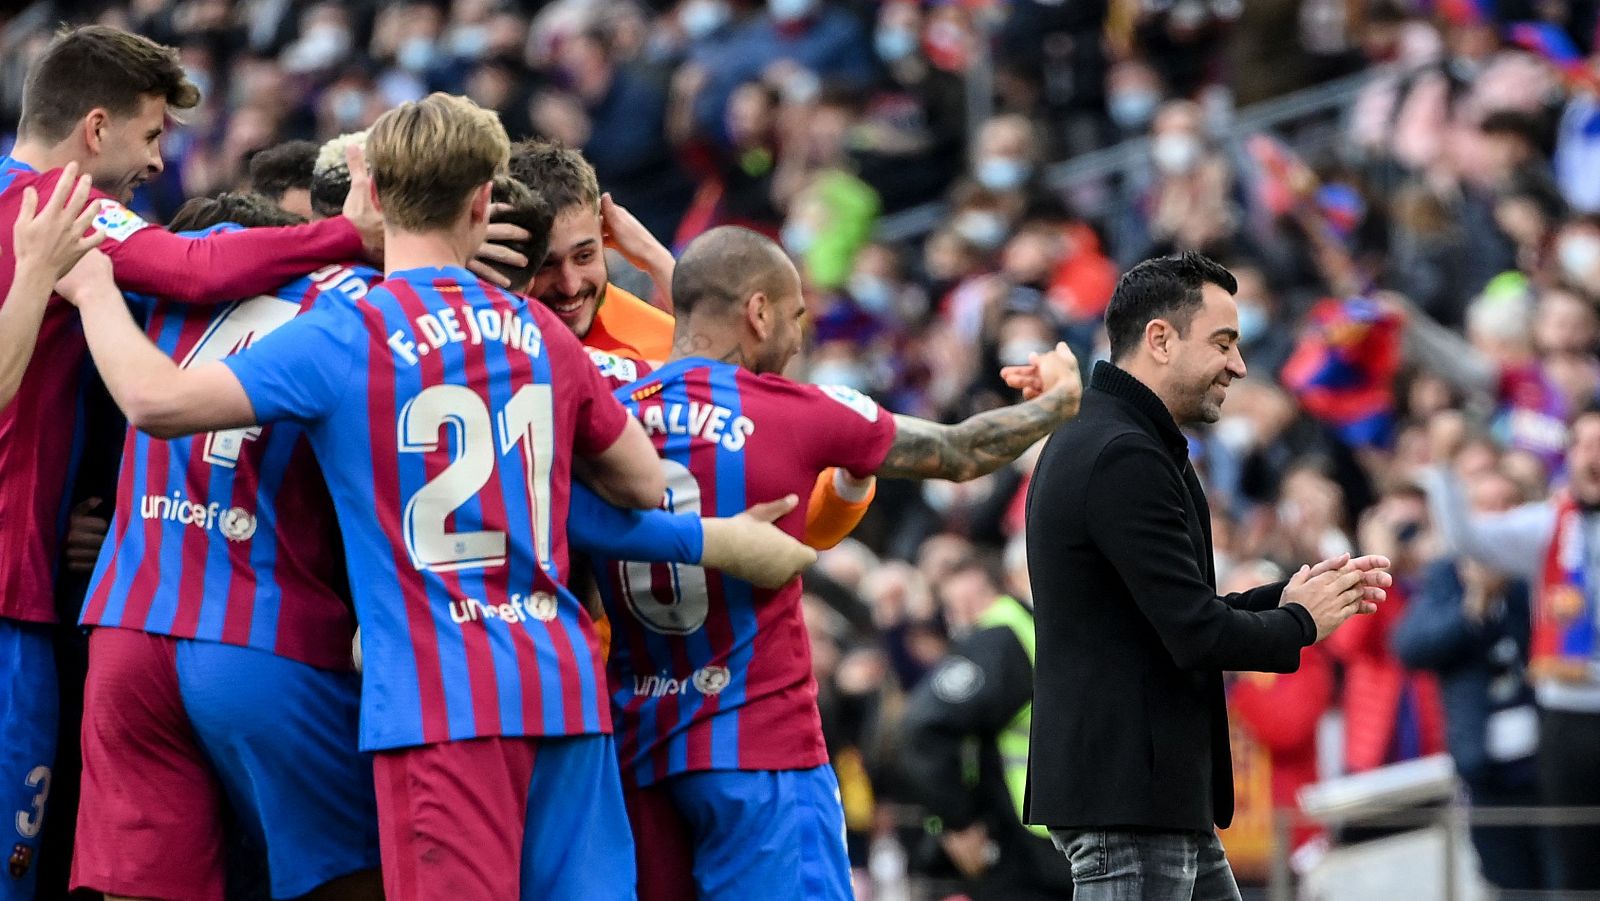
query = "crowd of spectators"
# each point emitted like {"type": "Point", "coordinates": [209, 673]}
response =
{"type": "Point", "coordinates": [1418, 285]}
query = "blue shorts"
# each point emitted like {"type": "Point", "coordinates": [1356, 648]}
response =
{"type": "Point", "coordinates": [767, 835]}
{"type": "Point", "coordinates": [175, 728]}
{"type": "Point", "coordinates": [29, 716]}
{"type": "Point", "coordinates": [497, 818]}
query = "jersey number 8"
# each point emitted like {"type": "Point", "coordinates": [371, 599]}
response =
{"type": "Point", "coordinates": [676, 604]}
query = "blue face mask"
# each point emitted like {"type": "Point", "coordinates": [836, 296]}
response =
{"type": "Point", "coordinates": [1253, 322]}
{"type": "Point", "coordinates": [871, 293]}
{"type": "Point", "coordinates": [894, 44]}
{"type": "Point", "coordinates": [416, 54]}
{"type": "Point", "coordinates": [790, 10]}
{"type": "Point", "coordinates": [469, 43]}
{"type": "Point", "coordinates": [797, 238]}
{"type": "Point", "coordinates": [348, 107]}
{"type": "Point", "coordinates": [1002, 173]}
{"type": "Point", "coordinates": [1132, 110]}
{"type": "Point", "coordinates": [700, 18]}
{"type": "Point", "coordinates": [986, 230]}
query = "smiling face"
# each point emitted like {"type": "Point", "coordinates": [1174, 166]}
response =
{"type": "Point", "coordinates": [572, 281]}
{"type": "Point", "coordinates": [1204, 359]}
{"type": "Point", "coordinates": [129, 147]}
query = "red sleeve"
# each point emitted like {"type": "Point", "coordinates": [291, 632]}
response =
{"type": "Point", "coordinates": [847, 428]}
{"type": "Point", "coordinates": [600, 416]}
{"type": "Point", "coordinates": [219, 267]}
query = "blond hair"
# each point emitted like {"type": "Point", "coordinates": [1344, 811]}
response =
{"type": "Point", "coordinates": [428, 156]}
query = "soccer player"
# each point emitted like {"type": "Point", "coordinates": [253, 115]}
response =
{"type": "Point", "coordinates": [448, 417]}
{"type": "Point", "coordinates": [97, 97]}
{"type": "Point", "coordinates": [618, 327]}
{"type": "Point", "coordinates": [282, 174]}
{"type": "Point", "coordinates": [711, 680]}
{"type": "Point", "coordinates": [223, 629]}
{"type": "Point", "coordinates": [573, 280]}
{"type": "Point", "coordinates": [219, 662]}
{"type": "Point", "coordinates": [47, 238]}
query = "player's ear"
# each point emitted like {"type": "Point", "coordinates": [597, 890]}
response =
{"type": "Point", "coordinates": [95, 122]}
{"type": "Point", "coordinates": [372, 194]}
{"type": "Point", "coordinates": [1158, 339]}
{"type": "Point", "coordinates": [480, 202]}
{"type": "Point", "coordinates": [758, 314]}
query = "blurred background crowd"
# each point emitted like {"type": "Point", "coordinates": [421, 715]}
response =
{"type": "Point", "coordinates": [1405, 189]}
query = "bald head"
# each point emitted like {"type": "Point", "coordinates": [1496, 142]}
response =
{"type": "Point", "coordinates": [737, 292]}
{"type": "Point", "coordinates": [722, 268]}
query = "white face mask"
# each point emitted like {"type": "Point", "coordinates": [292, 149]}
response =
{"type": "Point", "coordinates": [1578, 256]}
{"type": "Point", "coordinates": [702, 17]}
{"type": "Point", "coordinates": [1015, 353]}
{"type": "Point", "coordinates": [985, 229]}
{"type": "Point", "coordinates": [1175, 153]}
{"type": "Point", "coordinates": [790, 10]}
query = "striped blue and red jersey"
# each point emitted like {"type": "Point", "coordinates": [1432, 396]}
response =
{"type": "Point", "coordinates": [444, 414]}
{"type": "Point", "coordinates": [230, 536]}
{"type": "Point", "coordinates": [39, 430]}
{"type": "Point", "coordinates": [709, 672]}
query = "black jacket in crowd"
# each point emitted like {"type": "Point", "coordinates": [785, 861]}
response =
{"type": "Point", "coordinates": [962, 707]}
{"type": "Point", "coordinates": [1129, 723]}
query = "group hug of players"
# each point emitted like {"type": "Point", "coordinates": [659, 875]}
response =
{"type": "Point", "coordinates": [413, 415]}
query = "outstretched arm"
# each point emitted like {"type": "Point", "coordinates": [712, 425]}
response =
{"type": "Point", "coordinates": [983, 443]}
{"type": "Point", "coordinates": [157, 396]}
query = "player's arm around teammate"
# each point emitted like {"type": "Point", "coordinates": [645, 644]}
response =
{"type": "Point", "coordinates": [46, 245]}
{"type": "Point", "coordinates": [158, 397]}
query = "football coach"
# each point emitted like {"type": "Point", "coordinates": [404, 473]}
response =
{"type": "Point", "coordinates": [1129, 766]}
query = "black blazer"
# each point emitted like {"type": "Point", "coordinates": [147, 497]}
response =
{"type": "Point", "coordinates": [1129, 722]}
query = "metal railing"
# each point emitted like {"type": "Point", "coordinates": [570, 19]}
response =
{"type": "Point", "coordinates": [1455, 817]}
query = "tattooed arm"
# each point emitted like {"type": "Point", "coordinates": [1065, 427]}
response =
{"type": "Point", "coordinates": [983, 443]}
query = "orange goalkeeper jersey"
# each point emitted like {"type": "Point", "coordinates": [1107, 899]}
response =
{"type": "Point", "coordinates": [629, 327]}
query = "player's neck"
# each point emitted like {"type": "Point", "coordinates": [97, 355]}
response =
{"type": "Point", "coordinates": [689, 341]}
{"type": "Point", "coordinates": [419, 250]}
{"type": "Point", "coordinates": [43, 157]}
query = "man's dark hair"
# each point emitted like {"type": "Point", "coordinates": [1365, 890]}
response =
{"type": "Point", "coordinates": [530, 211]}
{"type": "Point", "coordinates": [722, 267]}
{"type": "Point", "coordinates": [1161, 288]}
{"type": "Point", "coordinates": [328, 190]}
{"type": "Point", "coordinates": [1527, 127]}
{"type": "Point", "coordinates": [241, 208]}
{"type": "Point", "coordinates": [559, 173]}
{"type": "Point", "coordinates": [276, 170]}
{"type": "Point", "coordinates": [96, 66]}
{"type": "Point", "coordinates": [988, 565]}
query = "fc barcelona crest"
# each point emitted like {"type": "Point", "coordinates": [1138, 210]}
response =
{"type": "Point", "coordinates": [21, 860]}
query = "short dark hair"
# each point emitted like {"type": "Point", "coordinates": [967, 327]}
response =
{"type": "Point", "coordinates": [1513, 123]}
{"type": "Point", "coordinates": [276, 170]}
{"type": "Point", "coordinates": [722, 267]}
{"type": "Point", "coordinates": [242, 208]}
{"type": "Point", "coordinates": [559, 173]}
{"type": "Point", "coordinates": [329, 188]}
{"type": "Point", "coordinates": [528, 210]}
{"type": "Point", "coordinates": [1161, 288]}
{"type": "Point", "coordinates": [98, 67]}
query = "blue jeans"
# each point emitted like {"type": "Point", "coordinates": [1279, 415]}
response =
{"type": "Point", "coordinates": [1146, 865]}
